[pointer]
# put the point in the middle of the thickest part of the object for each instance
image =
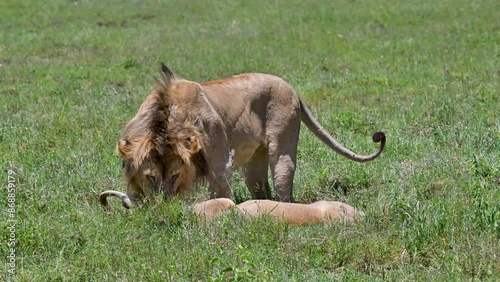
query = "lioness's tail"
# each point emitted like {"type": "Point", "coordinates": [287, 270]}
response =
{"type": "Point", "coordinates": [313, 125]}
{"type": "Point", "coordinates": [127, 203]}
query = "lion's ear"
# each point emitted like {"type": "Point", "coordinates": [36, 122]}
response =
{"type": "Point", "coordinates": [136, 151]}
{"type": "Point", "coordinates": [124, 148]}
{"type": "Point", "coordinates": [187, 147]}
{"type": "Point", "coordinates": [193, 144]}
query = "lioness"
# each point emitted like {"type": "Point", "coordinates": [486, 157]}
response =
{"type": "Point", "coordinates": [301, 214]}
{"type": "Point", "coordinates": [212, 208]}
{"type": "Point", "coordinates": [296, 214]}
{"type": "Point", "coordinates": [184, 131]}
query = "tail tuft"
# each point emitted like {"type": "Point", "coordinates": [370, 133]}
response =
{"type": "Point", "coordinates": [378, 137]}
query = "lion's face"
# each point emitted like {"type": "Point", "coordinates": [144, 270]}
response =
{"type": "Point", "coordinates": [162, 145]}
{"type": "Point", "coordinates": [168, 174]}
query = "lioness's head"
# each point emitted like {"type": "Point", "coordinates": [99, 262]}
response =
{"type": "Point", "coordinates": [161, 152]}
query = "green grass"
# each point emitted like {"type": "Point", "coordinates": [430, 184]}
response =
{"type": "Point", "coordinates": [425, 72]}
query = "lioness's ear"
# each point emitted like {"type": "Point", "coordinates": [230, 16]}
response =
{"type": "Point", "coordinates": [124, 148]}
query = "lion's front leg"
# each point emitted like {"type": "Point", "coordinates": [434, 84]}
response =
{"type": "Point", "coordinates": [219, 177]}
{"type": "Point", "coordinates": [219, 159]}
{"type": "Point", "coordinates": [220, 187]}
{"type": "Point", "coordinates": [256, 171]}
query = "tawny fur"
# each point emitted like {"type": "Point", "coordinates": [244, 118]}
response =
{"type": "Point", "coordinates": [185, 131]}
{"type": "Point", "coordinates": [324, 212]}
{"type": "Point", "coordinates": [212, 208]}
{"type": "Point", "coordinates": [301, 214]}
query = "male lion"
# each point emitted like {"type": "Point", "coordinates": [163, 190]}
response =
{"type": "Point", "coordinates": [185, 131]}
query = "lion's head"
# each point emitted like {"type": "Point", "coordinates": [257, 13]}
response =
{"type": "Point", "coordinates": [162, 146]}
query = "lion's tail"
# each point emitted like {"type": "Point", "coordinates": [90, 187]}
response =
{"type": "Point", "coordinates": [127, 203]}
{"type": "Point", "coordinates": [313, 125]}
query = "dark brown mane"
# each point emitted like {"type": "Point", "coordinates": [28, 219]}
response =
{"type": "Point", "coordinates": [155, 128]}
{"type": "Point", "coordinates": [154, 111]}
{"type": "Point", "coordinates": [148, 129]}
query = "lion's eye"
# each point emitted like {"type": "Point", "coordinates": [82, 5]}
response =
{"type": "Point", "coordinates": [175, 176]}
{"type": "Point", "coordinates": [152, 179]}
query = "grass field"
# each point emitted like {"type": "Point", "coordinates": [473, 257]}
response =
{"type": "Point", "coordinates": [73, 73]}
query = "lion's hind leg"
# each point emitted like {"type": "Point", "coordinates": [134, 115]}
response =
{"type": "Point", "coordinates": [282, 160]}
{"type": "Point", "coordinates": [256, 171]}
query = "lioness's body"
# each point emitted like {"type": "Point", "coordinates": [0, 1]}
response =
{"type": "Point", "coordinates": [296, 214]}
{"type": "Point", "coordinates": [212, 208]}
{"type": "Point", "coordinates": [301, 214]}
{"type": "Point", "coordinates": [185, 130]}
